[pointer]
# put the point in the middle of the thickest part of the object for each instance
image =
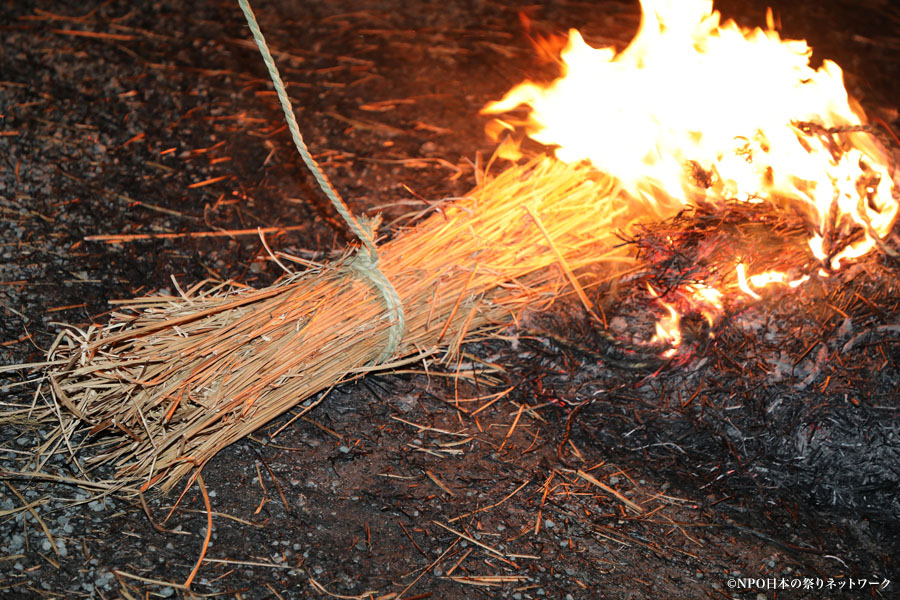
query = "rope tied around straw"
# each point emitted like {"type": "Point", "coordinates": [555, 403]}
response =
{"type": "Point", "coordinates": [365, 263]}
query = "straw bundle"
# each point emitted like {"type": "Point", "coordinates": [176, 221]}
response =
{"type": "Point", "coordinates": [170, 381]}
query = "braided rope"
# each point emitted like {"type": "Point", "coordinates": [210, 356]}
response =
{"type": "Point", "coordinates": [365, 263]}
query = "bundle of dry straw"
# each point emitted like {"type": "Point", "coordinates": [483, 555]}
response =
{"type": "Point", "coordinates": [171, 380]}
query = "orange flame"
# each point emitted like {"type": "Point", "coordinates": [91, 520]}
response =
{"type": "Point", "coordinates": [668, 329]}
{"type": "Point", "coordinates": [698, 110]}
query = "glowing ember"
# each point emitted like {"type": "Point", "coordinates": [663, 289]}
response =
{"type": "Point", "coordinates": [697, 110]}
{"type": "Point", "coordinates": [743, 284]}
{"type": "Point", "coordinates": [708, 300]}
{"type": "Point", "coordinates": [764, 279]}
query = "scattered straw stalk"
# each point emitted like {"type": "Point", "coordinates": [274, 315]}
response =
{"type": "Point", "coordinates": [170, 381]}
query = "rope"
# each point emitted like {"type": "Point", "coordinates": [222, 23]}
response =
{"type": "Point", "coordinates": [364, 263]}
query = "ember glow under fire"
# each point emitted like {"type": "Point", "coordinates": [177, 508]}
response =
{"type": "Point", "coordinates": [696, 111]}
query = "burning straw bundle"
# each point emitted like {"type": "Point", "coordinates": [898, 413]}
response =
{"type": "Point", "coordinates": [170, 381]}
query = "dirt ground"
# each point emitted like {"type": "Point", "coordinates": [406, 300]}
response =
{"type": "Point", "coordinates": [772, 454]}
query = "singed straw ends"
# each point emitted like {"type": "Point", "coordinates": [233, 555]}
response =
{"type": "Point", "coordinates": [172, 380]}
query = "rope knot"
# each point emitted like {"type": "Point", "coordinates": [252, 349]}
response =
{"type": "Point", "coordinates": [365, 264]}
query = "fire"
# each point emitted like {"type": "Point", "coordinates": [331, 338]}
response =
{"type": "Point", "coordinates": [696, 110]}
{"type": "Point", "coordinates": [668, 328]}
{"type": "Point", "coordinates": [708, 300]}
{"type": "Point", "coordinates": [702, 299]}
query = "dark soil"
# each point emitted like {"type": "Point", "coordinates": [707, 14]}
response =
{"type": "Point", "coordinates": [771, 451]}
